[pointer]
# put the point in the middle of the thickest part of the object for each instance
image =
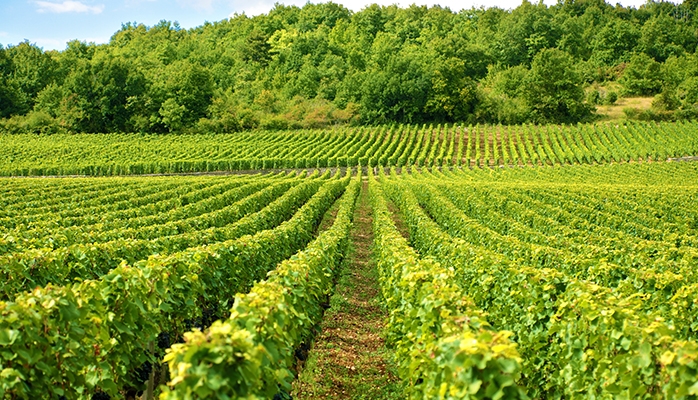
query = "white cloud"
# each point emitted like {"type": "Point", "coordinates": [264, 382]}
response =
{"type": "Point", "coordinates": [4, 34]}
{"type": "Point", "coordinates": [68, 6]}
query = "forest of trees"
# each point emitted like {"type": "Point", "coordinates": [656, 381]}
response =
{"type": "Point", "coordinates": [322, 64]}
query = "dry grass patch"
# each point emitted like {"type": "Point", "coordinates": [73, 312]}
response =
{"type": "Point", "coordinates": [615, 111]}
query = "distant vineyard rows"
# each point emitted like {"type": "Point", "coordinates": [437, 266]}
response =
{"type": "Point", "coordinates": [397, 145]}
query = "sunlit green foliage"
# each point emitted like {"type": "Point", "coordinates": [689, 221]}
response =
{"type": "Point", "coordinates": [322, 64]}
{"type": "Point", "coordinates": [387, 145]}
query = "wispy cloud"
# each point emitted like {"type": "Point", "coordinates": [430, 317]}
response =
{"type": "Point", "coordinates": [4, 34]}
{"type": "Point", "coordinates": [68, 6]}
{"type": "Point", "coordinates": [131, 3]}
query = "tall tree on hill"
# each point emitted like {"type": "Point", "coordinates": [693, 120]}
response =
{"type": "Point", "coordinates": [32, 70]}
{"type": "Point", "coordinates": [10, 95]}
{"type": "Point", "coordinates": [553, 88]}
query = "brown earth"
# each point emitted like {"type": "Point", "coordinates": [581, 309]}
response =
{"type": "Point", "coordinates": [349, 359]}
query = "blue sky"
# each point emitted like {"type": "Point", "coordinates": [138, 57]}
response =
{"type": "Point", "coordinates": [52, 23]}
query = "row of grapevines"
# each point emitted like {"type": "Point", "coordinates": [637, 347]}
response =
{"type": "Point", "coordinates": [22, 271]}
{"type": "Point", "coordinates": [397, 145]}
{"type": "Point", "coordinates": [251, 354]}
{"type": "Point", "coordinates": [577, 206]}
{"type": "Point", "coordinates": [655, 276]}
{"type": "Point", "coordinates": [443, 344]}
{"type": "Point", "coordinates": [678, 174]}
{"type": "Point", "coordinates": [576, 338]}
{"type": "Point", "coordinates": [509, 212]}
{"type": "Point", "coordinates": [40, 196]}
{"type": "Point", "coordinates": [123, 196]}
{"type": "Point", "coordinates": [522, 145]}
{"type": "Point", "coordinates": [125, 199]}
{"type": "Point", "coordinates": [212, 211]}
{"type": "Point", "coordinates": [92, 335]}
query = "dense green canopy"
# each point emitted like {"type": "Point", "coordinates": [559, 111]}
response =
{"type": "Point", "coordinates": [322, 64]}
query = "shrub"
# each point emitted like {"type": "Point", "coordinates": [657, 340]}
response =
{"type": "Point", "coordinates": [611, 97]}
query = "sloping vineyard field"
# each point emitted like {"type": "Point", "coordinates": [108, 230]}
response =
{"type": "Point", "coordinates": [549, 282]}
{"type": "Point", "coordinates": [396, 145]}
{"type": "Point", "coordinates": [572, 272]}
{"type": "Point", "coordinates": [100, 276]}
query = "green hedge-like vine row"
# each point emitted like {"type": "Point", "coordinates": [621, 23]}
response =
{"type": "Point", "coordinates": [250, 354]}
{"type": "Point", "coordinates": [649, 252]}
{"type": "Point", "coordinates": [198, 209]}
{"type": "Point", "coordinates": [396, 145]}
{"type": "Point", "coordinates": [72, 339]}
{"type": "Point", "coordinates": [25, 270]}
{"type": "Point", "coordinates": [444, 346]}
{"type": "Point", "coordinates": [577, 338]}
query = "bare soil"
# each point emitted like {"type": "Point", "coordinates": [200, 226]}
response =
{"type": "Point", "coordinates": [349, 359]}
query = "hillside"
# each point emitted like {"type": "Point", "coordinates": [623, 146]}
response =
{"type": "Point", "coordinates": [322, 65]}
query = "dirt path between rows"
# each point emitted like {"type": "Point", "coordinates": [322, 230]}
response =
{"type": "Point", "coordinates": [348, 359]}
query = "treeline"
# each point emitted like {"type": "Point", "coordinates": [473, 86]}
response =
{"type": "Point", "coordinates": [322, 64]}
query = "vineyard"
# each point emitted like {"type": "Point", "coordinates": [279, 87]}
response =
{"type": "Point", "coordinates": [554, 289]}
{"type": "Point", "coordinates": [570, 273]}
{"type": "Point", "coordinates": [396, 145]}
{"type": "Point", "coordinates": [101, 276]}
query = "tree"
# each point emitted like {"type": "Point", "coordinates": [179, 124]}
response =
{"type": "Point", "coordinates": [523, 33]}
{"type": "Point", "coordinates": [413, 64]}
{"type": "Point", "coordinates": [95, 96]}
{"type": "Point", "coordinates": [396, 86]}
{"type": "Point", "coordinates": [313, 15]}
{"type": "Point", "coordinates": [553, 88]}
{"type": "Point", "coordinates": [642, 76]}
{"type": "Point", "coordinates": [10, 95]}
{"type": "Point", "coordinates": [32, 70]}
{"type": "Point", "coordinates": [662, 37]}
{"type": "Point", "coordinates": [615, 42]}
{"type": "Point", "coordinates": [453, 95]}
{"type": "Point", "coordinates": [256, 48]}
{"type": "Point", "coordinates": [185, 94]}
